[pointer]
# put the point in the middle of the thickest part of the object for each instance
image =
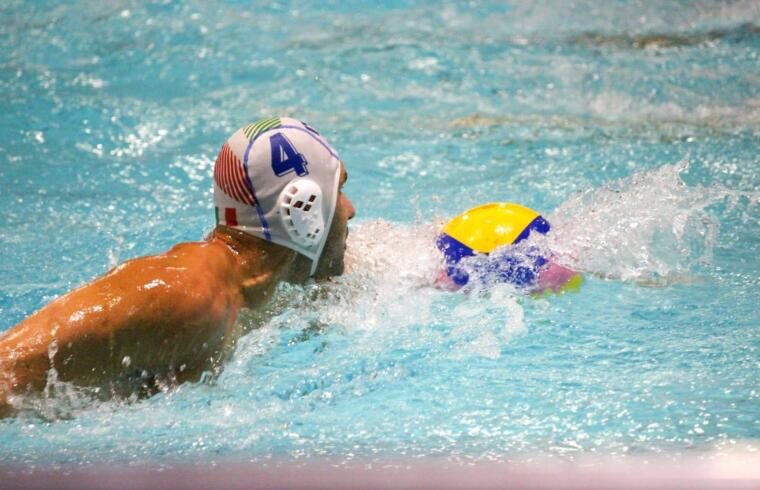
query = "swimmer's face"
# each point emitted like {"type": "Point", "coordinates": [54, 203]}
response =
{"type": "Point", "coordinates": [331, 263]}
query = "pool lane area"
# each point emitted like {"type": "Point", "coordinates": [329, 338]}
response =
{"type": "Point", "coordinates": [633, 127]}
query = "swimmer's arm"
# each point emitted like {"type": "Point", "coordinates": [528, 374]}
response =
{"type": "Point", "coordinates": [148, 313]}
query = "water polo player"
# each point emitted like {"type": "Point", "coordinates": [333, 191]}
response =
{"type": "Point", "coordinates": [489, 244]}
{"type": "Point", "coordinates": [281, 216]}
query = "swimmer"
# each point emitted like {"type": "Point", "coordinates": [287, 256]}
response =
{"type": "Point", "coordinates": [485, 244]}
{"type": "Point", "coordinates": [161, 320]}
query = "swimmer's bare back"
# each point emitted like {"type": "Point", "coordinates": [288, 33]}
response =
{"type": "Point", "coordinates": [169, 316]}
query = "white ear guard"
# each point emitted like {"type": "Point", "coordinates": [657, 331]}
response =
{"type": "Point", "coordinates": [300, 209]}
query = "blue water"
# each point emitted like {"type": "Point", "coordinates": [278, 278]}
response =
{"type": "Point", "coordinates": [632, 125]}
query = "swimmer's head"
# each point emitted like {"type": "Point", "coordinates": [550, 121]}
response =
{"type": "Point", "coordinates": [279, 180]}
{"type": "Point", "coordinates": [487, 233]}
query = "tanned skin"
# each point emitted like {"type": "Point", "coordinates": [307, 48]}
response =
{"type": "Point", "coordinates": [164, 317]}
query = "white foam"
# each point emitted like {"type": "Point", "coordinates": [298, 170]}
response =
{"type": "Point", "coordinates": [649, 227]}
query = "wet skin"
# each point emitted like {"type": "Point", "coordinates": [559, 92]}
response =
{"type": "Point", "coordinates": [166, 318]}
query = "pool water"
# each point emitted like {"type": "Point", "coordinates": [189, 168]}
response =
{"type": "Point", "coordinates": [632, 126]}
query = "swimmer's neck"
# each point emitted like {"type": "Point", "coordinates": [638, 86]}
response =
{"type": "Point", "coordinates": [258, 265]}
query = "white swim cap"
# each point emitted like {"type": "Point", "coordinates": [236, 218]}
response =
{"type": "Point", "coordinates": [278, 179]}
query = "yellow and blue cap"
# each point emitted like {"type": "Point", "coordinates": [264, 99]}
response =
{"type": "Point", "coordinates": [482, 230]}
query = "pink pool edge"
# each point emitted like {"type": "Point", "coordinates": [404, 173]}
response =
{"type": "Point", "coordinates": [707, 471]}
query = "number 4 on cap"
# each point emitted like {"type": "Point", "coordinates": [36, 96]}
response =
{"type": "Point", "coordinates": [285, 158]}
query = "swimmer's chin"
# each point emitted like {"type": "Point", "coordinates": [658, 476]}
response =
{"type": "Point", "coordinates": [331, 264]}
{"type": "Point", "coordinates": [331, 269]}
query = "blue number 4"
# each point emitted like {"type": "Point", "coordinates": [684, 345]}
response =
{"type": "Point", "coordinates": [285, 158]}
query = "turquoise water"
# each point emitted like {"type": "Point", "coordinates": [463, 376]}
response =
{"type": "Point", "coordinates": [633, 126]}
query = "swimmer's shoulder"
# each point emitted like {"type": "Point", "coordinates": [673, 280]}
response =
{"type": "Point", "coordinates": [182, 259]}
{"type": "Point", "coordinates": [193, 282]}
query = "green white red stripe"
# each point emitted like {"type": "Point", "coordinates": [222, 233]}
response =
{"type": "Point", "coordinates": [255, 129]}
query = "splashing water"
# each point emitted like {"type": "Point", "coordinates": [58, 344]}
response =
{"type": "Point", "coordinates": [649, 228]}
{"type": "Point", "coordinates": [387, 292]}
